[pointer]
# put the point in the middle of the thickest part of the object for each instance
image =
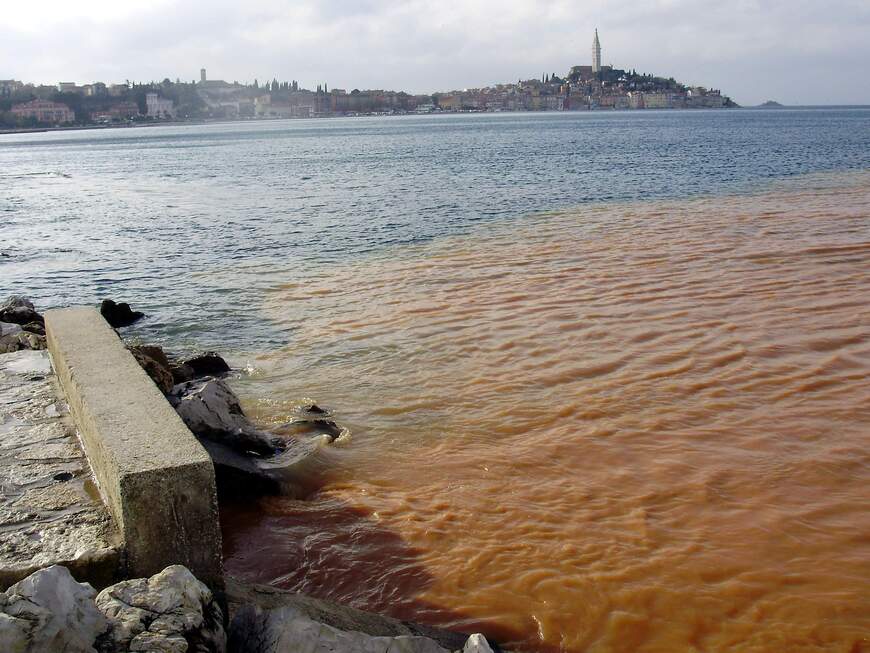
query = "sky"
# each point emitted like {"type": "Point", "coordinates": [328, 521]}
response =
{"type": "Point", "coordinates": [792, 51]}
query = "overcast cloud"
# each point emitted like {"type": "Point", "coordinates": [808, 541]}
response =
{"type": "Point", "coordinates": [797, 52]}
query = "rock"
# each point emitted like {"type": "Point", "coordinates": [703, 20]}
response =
{"type": "Point", "coordinates": [244, 628]}
{"type": "Point", "coordinates": [181, 373]}
{"type": "Point", "coordinates": [207, 364]}
{"type": "Point", "coordinates": [119, 315]}
{"type": "Point", "coordinates": [21, 340]}
{"type": "Point", "coordinates": [171, 611]}
{"type": "Point", "coordinates": [9, 329]}
{"type": "Point", "coordinates": [211, 410]}
{"type": "Point", "coordinates": [477, 644]}
{"type": "Point", "coordinates": [307, 427]}
{"type": "Point", "coordinates": [287, 629]}
{"type": "Point", "coordinates": [50, 611]}
{"type": "Point", "coordinates": [314, 409]}
{"type": "Point", "coordinates": [237, 475]}
{"type": "Point", "coordinates": [153, 360]}
{"type": "Point", "coordinates": [19, 310]}
{"type": "Point", "coordinates": [35, 327]}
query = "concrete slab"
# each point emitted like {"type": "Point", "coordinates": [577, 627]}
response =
{"type": "Point", "coordinates": [50, 512]}
{"type": "Point", "coordinates": [155, 478]}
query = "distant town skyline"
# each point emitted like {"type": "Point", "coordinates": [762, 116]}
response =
{"type": "Point", "coordinates": [796, 53]}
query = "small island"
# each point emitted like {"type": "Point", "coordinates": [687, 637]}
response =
{"type": "Point", "coordinates": [770, 104]}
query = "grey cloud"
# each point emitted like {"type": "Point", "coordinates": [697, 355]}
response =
{"type": "Point", "coordinates": [799, 52]}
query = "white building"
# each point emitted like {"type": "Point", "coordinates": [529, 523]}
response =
{"type": "Point", "coordinates": [158, 107]}
{"type": "Point", "coordinates": [596, 54]}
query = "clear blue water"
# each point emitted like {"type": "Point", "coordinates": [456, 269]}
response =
{"type": "Point", "coordinates": [192, 223]}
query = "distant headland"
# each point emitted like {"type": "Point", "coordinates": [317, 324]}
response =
{"type": "Point", "coordinates": [582, 88]}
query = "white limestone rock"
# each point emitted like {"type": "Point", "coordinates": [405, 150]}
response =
{"type": "Point", "coordinates": [477, 644]}
{"type": "Point", "coordinates": [50, 611]}
{"type": "Point", "coordinates": [280, 630]}
{"type": "Point", "coordinates": [171, 611]}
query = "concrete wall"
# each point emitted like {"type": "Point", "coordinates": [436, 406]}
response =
{"type": "Point", "coordinates": [156, 479]}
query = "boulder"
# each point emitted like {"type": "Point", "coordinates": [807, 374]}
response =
{"type": "Point", "coordinates": [211, 410]}
{"type": "Point", "coordinates": [270, 600]}
{"type": "Point", "coordinates": [181, 373]}
{"type": "Point", "coordinates": [9, 329]}
{"type": "Point", "coordinates": [477, 644]}
{"type": "Point", "coordinates": [238, 475]}
{"type": "Point", "coordinates": [171, 611]}
{"type": "Point", "coordinates": [119, 315]}
{"type": "Point", "coordinates": [50, 611]}
{"type": "Point", "coordinates": [207, 364]}
{"type": "Point", "coordinates": [21, 340]}
{"type": "Point", "coordinates": [287, 629]}
{"type": "Point", "coordinates": [19, 310]}
{"type": "Point", "coordinates": [153, 360]}
{"type": "Point", "coordinates": [35, 327]}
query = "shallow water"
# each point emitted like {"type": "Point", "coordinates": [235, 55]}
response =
{"type": "Point", "coordinates": [626, 427]}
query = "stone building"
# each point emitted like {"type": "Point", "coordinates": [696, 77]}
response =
{"type": "Point", "coordinates": [53, 113]}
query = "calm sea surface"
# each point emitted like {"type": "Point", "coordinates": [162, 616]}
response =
{"type": "Point", "coordinates": [607, 375]}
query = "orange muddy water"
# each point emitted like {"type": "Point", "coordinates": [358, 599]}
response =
{"type": "Point", "coordinates": [633, 428]}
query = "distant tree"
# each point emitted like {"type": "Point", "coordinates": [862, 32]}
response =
{"type": "Point", "coordinates": [256, 83]}
{"type": "Point", "coordinates": [274, 85]}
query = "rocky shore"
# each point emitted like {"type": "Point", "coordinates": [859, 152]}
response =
{"type": "Point", "coordinates": [49, 610]}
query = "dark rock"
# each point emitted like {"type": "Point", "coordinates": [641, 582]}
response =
{"type": "Point", "coordinates": [19, 310]}
{"type": "Point", "coordinates": [207, 364]}
{"type": "Point", "coordinates": [211, 410]}
{"type": "Point", "coordinates": [326, 426]}
{"type": "Point", "coordinates": [180, 372]}
{"type": "Point", "coordinates": [119, 315]}
{"type": "Point", "coordinates": [35, 327]}
{"type": "Point", "coordinates": [239, 476]}
{"type": "Point", "coordinates": [315, 409]}
{"type": "Point", "coordinates": [153, 360]}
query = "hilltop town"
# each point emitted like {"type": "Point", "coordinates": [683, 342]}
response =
{"type": "Point", "coordinates": [582, 88]}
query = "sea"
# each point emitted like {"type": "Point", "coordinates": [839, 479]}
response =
{"type": "Point", "coordinates": [606, 375]}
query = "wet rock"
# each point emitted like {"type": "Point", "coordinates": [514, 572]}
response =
{"type": "Point", "coordinates": [119, 315]}
{"type": "Point", "coordinates": [153, 360]}
{"type": "Point", "coordinates": [287, 629]}
{"type": "Point", "coordinates": [35, 327]}
{"type": "Point", "coordinates": [314, 409]}
{"type": "Point", "coordinates": [238, 476]}
{"type": "Point", "coordinates": [21, 340]}
{"type": "Point", "coordinates": [211, 410]}
{"type": "Point", "coordinates": [171, 611]}
{"type": "Point", "coordinates": [19, 310]}
{"type": "Point", "coordinates": [207, 364]}
{"type": "Point", "coordinates": [181, 373]}
{"type": "Point", "coordinates": [50, 611]}
{"type": "Point", "coordinates": [311, 419]}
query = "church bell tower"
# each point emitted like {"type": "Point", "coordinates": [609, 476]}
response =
{"type": "Point", "coordinates": [596, 54]}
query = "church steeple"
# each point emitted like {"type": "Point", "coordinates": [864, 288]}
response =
{"type": "Point", "coordinates": [596, 53]}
